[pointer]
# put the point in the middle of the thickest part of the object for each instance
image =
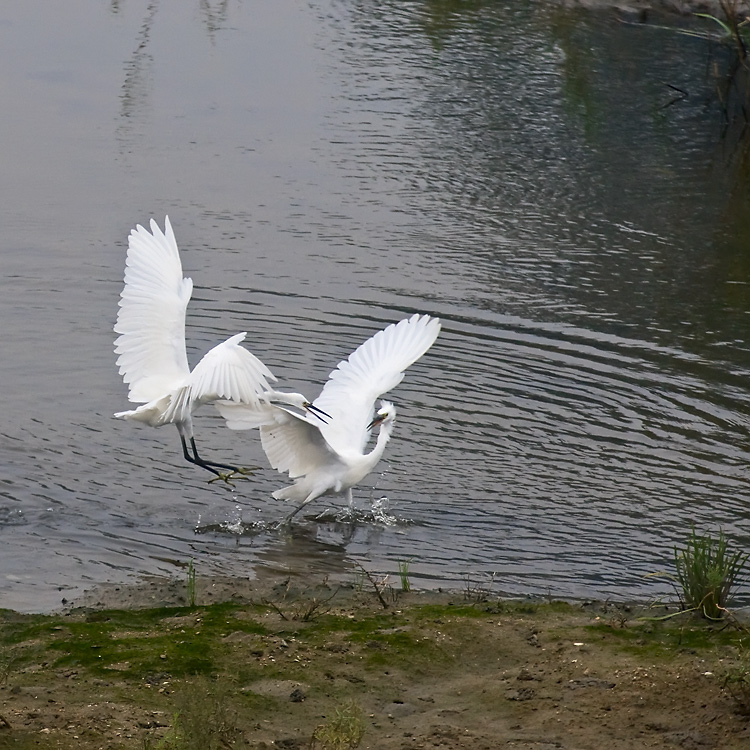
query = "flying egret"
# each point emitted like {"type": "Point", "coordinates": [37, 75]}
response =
{"type": "Point", "coordinates": [329, 457]}
{"type": "Point", "coordinates": [152, 355]}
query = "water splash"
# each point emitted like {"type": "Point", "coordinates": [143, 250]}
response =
{"type": "Point", "coordinates": [11, 516]}
{"type": "Point", "coordinates": [380, 515]}
{"type": "Point", "coordinates": [235, 525]}
{"type": "Point", "coordinates": [377, 515]}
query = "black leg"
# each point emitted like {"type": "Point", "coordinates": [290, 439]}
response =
{"type": "Point", "coordinates": [211, 466]}
{"type": "Point", "coordinates": [197, 460]}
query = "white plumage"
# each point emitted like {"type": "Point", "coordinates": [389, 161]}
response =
{"type": "Point", "coordinates": [151, 346]}
{"type": "Point", "coordinates": [328, 457]}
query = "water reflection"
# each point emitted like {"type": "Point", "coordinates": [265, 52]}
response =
{"type": "Point", "coordinates": [526, 174]}
{"type": "Point", "coordinates": [137, 84]}
{"type": "Point", "coordinates": [528, 148]}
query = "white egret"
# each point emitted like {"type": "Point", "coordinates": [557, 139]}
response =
{"type": "Point", "coordinates": [152, 355]}
{"type": "Point", "coordinates": [329, 457]}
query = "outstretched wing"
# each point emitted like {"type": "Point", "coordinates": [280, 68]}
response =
{"type": "Point", "coordinates": [294, 445]}
{"type": "Point", "coordinates": [151, 320]}
{"type": "Point", "coordinates": [292, 442]}
{"type": "Point", "coordinates": [230, 372]}
{"type": "Point", "coordinates": [246, 416]}
{"type": "Point", "coordinates": [376, 367]}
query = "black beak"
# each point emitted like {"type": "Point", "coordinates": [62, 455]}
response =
{"type": "Point", "coordinates": [378, 419]}
{"type": "Point", "coordinates": [319, 413]}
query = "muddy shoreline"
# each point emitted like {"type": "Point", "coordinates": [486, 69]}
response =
{"type": "Point", "coordinates": [293, 663]}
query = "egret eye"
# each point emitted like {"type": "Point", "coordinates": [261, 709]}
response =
{"type": "Point", "coordinates": [328, 458]}
{"type": "Point", "coordinates": [321, 458]}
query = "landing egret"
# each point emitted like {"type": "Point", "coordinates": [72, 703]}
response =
{"type": "Point", "coordinates": [329, 457]}
{"type": "Point", "coordinates": [152, 355]}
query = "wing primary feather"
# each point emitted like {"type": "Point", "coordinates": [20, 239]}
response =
{"type": "Point", "coordinates": [374, 368]}
{"type": "Point", "coordinates": [151, 316]}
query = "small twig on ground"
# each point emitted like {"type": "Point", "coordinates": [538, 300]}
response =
{"type": "Point", "coordinates": [375, 585]}
{"type": "Point", "coordinates": [305, 611]}
{"type": "Point", "coordinates": [315, 605]}
{"type": "Point", "coordinates": [275, 608]}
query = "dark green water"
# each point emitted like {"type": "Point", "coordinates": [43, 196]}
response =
{"type": "Point", "coordinates": [562, 188]}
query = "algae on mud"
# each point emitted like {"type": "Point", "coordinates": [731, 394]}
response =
{"type": "Point", "coordinates": [430, 670]}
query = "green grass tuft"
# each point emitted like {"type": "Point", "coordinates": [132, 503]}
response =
{"type": "Point", "coordinates": [708, 572]}
{"type": "Point", "coordinates": [343, 731]}
{"type": "Point", "coordinates": [203, 720]}
{"type": "Point", "coordinates": [178, 641]}
{"type": "Point", "coordinates": [403, 574]}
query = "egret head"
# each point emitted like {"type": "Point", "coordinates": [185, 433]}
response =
{"type": "Point", "coordinates": [386, 414]}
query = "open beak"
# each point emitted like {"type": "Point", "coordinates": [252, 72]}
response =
{"type": "Point", "coordinates": [378, 419]}
{"type": "Point", "coordinates": [319, 413]}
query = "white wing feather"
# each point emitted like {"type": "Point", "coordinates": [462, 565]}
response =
{"type": "Point", "coordinates": [373, 369]}
{"type": "Point", "coordinates": [230, 372]}
{"type": "Point", "coordinates": [245, 417]}
{"type": "Point", "coordinates": [292, 442]}
{"type": "Point", "coordinates": [151, 319]}
{"type": "Point", "coordinates": [294, 445]}
{"type": "Point", "coordinates": [303, 446]}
